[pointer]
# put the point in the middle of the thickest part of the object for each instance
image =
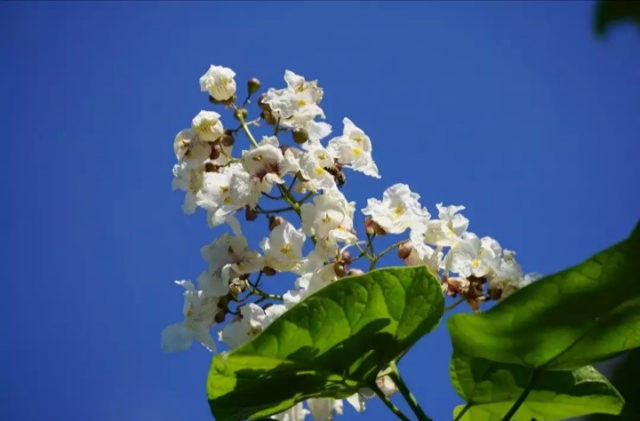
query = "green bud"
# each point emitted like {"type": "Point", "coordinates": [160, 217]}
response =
{"type": "Point", "coordinates": [253, 85]}
{"type": "Point", "coordinates": [300, 135]}
{"type": "Point", "coordinates": [241, 113]}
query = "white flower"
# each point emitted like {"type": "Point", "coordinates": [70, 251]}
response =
{"type": "Point", "coordinates": [189, 149]}
{"type": "Point", "coordinates": [353, 149]}
{"type": "Point", "coordinates": [283, 248]}
{"type": "Point", "coordinates": [189, 180]}
{"type": "Point", "coordinates": [312, 165]}
{"type": "Point", "coordinates": [226, 191]}
{"type": "Point", "coordinates": [207, 126]}
{"type": "Point", "coordinates": [449, 228]}
{"type": "Point", "coordinates": [322, 409]}
{"type": "Point", "coordinates": [296, 106]}
{"type": "Point", "coordinates": [199, 315]}
{"type": "Point", "coordinates": [228, 258]}
{"type": "Point", "coordinates": [398, 210]}
{"type": "Point", "coordinates": [219, 82]}
{"type": "Point", "coordinates": [265, 163]}
{"type": "Point", "coordinates": [473, 256]}
{"type": "Point", "coordinates": [295, 413]}
{"type": "Point", "coordinates": [254, 319]}
{"type": "Point", "coordinates": [423, 254]}
{"type": "Point", "coordinates": [330, 219]}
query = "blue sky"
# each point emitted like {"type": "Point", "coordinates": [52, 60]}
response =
{"type": "Point", "coordinates": [513, 109]}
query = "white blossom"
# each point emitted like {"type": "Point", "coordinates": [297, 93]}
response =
{"type": "Point", "coordinates": [219, 82]}
{"type": "Point", "coordinates": [207, 125]}
{"type": "Point", "coordinates": [254, 319]}
{"type": "Point", "coordinates": [313, 164]}
{"type": "Point", "coordinates": [473, 256]}
{"type": "Point", "coordinates": [322, 409]}
{"type": "Point", "coordinates": [296, 106]}
{"type": "Point", "coordinates": [199, 312]}
{"type": "Point", "coordinates": [296, 413]}
{"type": "Point", "coordinates": [398, 210]}
{"type": "Point", "coordinates": [447, 230]}
{"type": "Point", "coordinates": [283, 248]}
{"type": "Point", "coordinates": [353, 149]}
{"type": "Point", "coordinates": [330, 220]}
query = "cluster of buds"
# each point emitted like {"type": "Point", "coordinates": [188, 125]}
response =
{"type": "Point", "coordinates": [296, 187]}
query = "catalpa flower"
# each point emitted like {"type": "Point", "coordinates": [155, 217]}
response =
{"type": "Point", "coordinates": [219, 83]}
{"type": "Point", "coordinates": [330, 220]}
{"type": "Point", "coordinates": [353, 149]}
{"type": "Point", "coordinates": [283, 248]}
{"type": "Point", "coordinates": [253, 320]}
{"type": "Point", "coordinates": [447, 230]}
{"type": "Point", "coordinates": [296, 106]}
{"type": "Point", "coordinates": [207, 126]}
{"type": "Point", "coordinates": [199, 315]}
{"type": "Point", "coordinates": [398, 210]}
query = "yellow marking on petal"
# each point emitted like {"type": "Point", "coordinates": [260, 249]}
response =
{"type": "Point", "coordinates": [359, 139]}
{"type": "Point", "coordinates": [301, 103]}
{"type": "Point", "coordinates": [398, 211]}
{"type": "Point", "coordinates": [224, 189]}
{"type": "Point", "coordinates": [356, 151]}
{"type": "Point", "coordinates": [319, 170]}
{"type": "Point", "coordinates": [227, 200]}
{"type": "Point", "coordinates": [475, 263]}
{"type": "Point", "coordinates": [326, 218]}
{"type": "Point", "coordinates": [286, 249]}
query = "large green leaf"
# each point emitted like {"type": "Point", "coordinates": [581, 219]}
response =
{"type": "Point", "coordinates": [490, 390]}
{"type": "Point", "coordinates": [329, 345]}
{"type": "Point", "coordinates": [576, 317]}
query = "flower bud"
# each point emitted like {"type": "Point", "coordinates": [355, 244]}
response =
{"type": "Point", "coordinates": [274, 221]}
{"type": "Point", "coordinates": [300, 135]}
{"type": "Point", "coordinates": [372, 227]}
{"type": "Point", "coordinates": [405, 250]}
{"type": "Point", "coordinates": [241, 113]}
{"type": "Point", "coordinates": [269, 271]}
{"type": "Point", "coordinates": [250, 214]}
{"type": "Point", "coordinates": [215, 151]}
{"type": "Point", "coordinates": [223, 302]}
{"type": "Point", "coordinates": [338, 268]}
{"type": "Point", "coordinates": [227, 138]}
{"type": "Point", "coordinates": [495, 293]}
{"type": "Point", "coordinates": [209, 167]}
{"type": "Point", "coordinates": [220, 315]}
{"type": "Point", "coordinates": [253, 85]}
{"type": "Point", "coordinates": [268, 117]}
{"type": "Point", "coordinates": [345, 257]}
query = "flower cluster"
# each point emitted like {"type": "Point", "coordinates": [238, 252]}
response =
{"type": "Point", "coordinates": [296, 186]}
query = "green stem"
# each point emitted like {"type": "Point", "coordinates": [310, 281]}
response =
{"type": "Point", "coordinates": [390, 404]}
{"type": "Point", "coordinates": [245, 127]}
{"type": "Point", "coordinates": [456, 304]}
{"type": "Point", "coordinates": [523, 396]}
{"type": "Point", "coordinates": [464, 410]}
{"type": "Point", "coordinates": [406, 393]}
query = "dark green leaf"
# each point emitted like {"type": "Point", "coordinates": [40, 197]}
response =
{"type": "Point", "coordinates": [490, 390]}
{"type": "Point", "coordinates": [609, 12]}
{"type": "Point", "coordinates": [576, 317]}
{"type": "Point", "coordinates": [329, 345]}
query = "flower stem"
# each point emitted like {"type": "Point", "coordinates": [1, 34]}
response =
{"type": "Point", "coordinates": [523, 396]}
{"type": "Point", "coordinates": [390, 404]}
{"type": "Point", "coordinates": [406, 394]}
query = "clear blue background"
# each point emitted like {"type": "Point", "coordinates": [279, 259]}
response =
{"type": "Point", "coordinates": [513, 109]}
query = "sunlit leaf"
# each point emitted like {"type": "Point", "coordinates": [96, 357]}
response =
{"type": "Point", "coordinates": [576, 317]}
{"type": "Point", "coordinates": [330, 345]}
{"type": "Point", "coordinates": [490, 390]}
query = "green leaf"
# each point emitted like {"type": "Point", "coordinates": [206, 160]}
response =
{"type": "Point", "coordinates": [490, 390]}
{"type": "Point", "coordinates": [576, 317]}
{"type": "Point", "coordinates": [330, 345]}
{"type": "Point", "coordinates": [610, 12]}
